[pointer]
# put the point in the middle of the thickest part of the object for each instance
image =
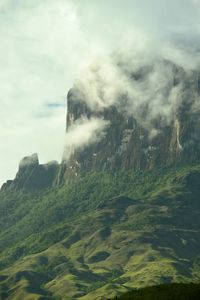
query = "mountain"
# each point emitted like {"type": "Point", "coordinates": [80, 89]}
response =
{"type": "Point", "coordinates": [121, 211]}
{"type": "Point", "coordinates": [126, 142]}
{"type": "Point", "coordinates": [129, 143]}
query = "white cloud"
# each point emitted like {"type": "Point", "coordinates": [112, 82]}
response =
{"type": "Point", "coordinates": [143, 77]}
{"type": "Point", "coordinates": [82, 133]}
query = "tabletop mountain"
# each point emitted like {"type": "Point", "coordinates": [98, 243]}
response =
{"type": "Point", "coordinates": [121, 210]}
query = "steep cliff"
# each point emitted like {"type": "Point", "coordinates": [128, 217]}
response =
{"type": "Point", "coordinates": [127, 144]}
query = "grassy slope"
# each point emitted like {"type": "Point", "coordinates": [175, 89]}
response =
{"type": "Point", "coordinates": [165, 292]}
{"type": "Point", "coordinates": [103, 234]}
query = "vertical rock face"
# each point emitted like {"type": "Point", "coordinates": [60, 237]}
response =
{"type": "Point", "coordinates": [127, 144]}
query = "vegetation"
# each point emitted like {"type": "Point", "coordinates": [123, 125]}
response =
{"type": "Point", "coordinates": [165, 292]}
{"type": "Point", "coordinates": [102, 234]}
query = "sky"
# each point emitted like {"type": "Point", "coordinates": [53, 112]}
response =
{"type": "Point", "coordinates": [45, 46]}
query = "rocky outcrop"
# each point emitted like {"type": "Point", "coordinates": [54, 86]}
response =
{"type": "Point", "coordinates": [32, 175]}
{"type": "Point", "coordinates": [128, 145]}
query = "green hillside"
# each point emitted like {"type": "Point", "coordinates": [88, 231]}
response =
{"type": "Point", "coordinates": [165, 292]}
{"type": "Point", "coordinates": [102, 234]}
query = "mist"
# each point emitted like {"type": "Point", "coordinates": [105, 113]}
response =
{"type": "Point", "coordinates": [82, 133]}
{"type": "Point", "coordinates": [138, 72]}
{"type": "Point", "coordinates": [148, 84]}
